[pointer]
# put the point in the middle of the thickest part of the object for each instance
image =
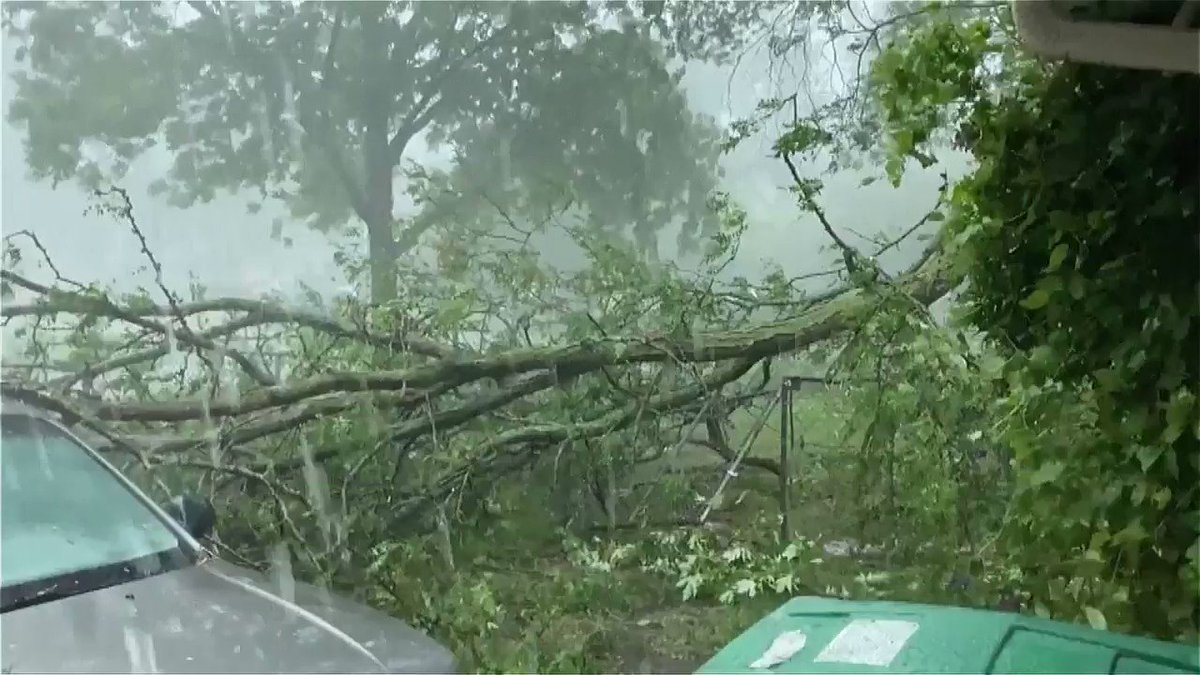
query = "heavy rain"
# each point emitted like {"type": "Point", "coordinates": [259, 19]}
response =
{"type": "Point", "coordinates": [555, 337]}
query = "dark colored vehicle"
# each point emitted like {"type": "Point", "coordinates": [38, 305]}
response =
{"type": "Point", "coordinates": [97, 578]}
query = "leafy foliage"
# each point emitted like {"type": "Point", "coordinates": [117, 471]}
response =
{"type": "Point", "coordinates": [1075, 236]}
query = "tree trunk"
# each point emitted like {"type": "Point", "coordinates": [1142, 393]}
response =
{"type": "Point", "coordinates": [377, 158]}
{"type": "Point", "coordinates": [382, 255]}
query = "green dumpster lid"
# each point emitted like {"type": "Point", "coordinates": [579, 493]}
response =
{"type": "Point", "coordinates": [841, 636]}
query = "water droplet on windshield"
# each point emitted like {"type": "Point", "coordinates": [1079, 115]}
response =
{"type": "Point", "coordinates": [281, 571]}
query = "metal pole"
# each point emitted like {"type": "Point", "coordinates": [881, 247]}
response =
{"type": "Point", "coordinates": [785, 442]}
{"type": "Point", "coordinates": [787, 445]}
{"type": "Point", "coordinates": [737, 461]}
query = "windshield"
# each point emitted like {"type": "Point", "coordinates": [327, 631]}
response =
{"type": "Point", "coordinates": [67, 524]}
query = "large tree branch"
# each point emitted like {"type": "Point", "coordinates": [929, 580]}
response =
{"type": "Point", "coordinates": [279, 409]}
{"type": "Point", "coordinates": [314, 408]}
{"type": "Point", "coordinates": [335, 32]}
{"type": "Point", "coordinates": [258, 312]}
{"type": "Point", "coordinates": [291, 418]}
{"type": "Point", "coordinates": [321, 132]}
{"type": "Point", "coordinates": [819, 322]}
{"type": "Point", "coordinates": [429, 102]}
{"type": "Point", "coordinates": [517, 448]}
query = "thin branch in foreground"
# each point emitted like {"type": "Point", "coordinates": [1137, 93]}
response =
{"type": "Point", "coordinates": [99, 304]}
{"type": "Point", "coordinates": [262, 312]}
{"type": "Point", "coordinates": [124, 211]}
{"type": "Point", "coordinates": [37, 243]}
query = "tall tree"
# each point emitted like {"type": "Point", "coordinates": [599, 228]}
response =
{"type": "Point", "coordinates": [317, 103]}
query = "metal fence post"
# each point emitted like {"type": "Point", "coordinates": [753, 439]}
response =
{"type": "Point", "coordinates": [785, 444]}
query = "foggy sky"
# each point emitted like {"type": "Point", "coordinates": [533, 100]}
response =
{"type": "Point", "coordinates": [231, 251]}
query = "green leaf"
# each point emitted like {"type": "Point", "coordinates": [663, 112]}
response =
{"type": "Point", "coordinates": [1076, 286]}
{"type": "Point", "coordinates": [1139, 494]}
{"type": "Point", "coordinates": [1162, 497]}
{"type": "Point", "coordinates": [1131, 534]}
{"type": "Point", "coordinates": [1057, 256]}
{"type": "Point", "coordinates": [1036, 300]}
{"type": "Point", "coordinates": [1095, 618]}
{"type": "Point", "coordinates": [991, 365]}
{"type": "Point", "coordinates": [895, 169]}
{"type": "Point", "coordinates": [1172, 464]}
{"type": "Point", "coordinates": [746, 587]}
{"type": "Point", "coordinates": [1148, 455]}
{"type": "Point", "coordinates": [785, 583]}
{"type": "Point", "coordinates": [1193, 551]}
{"type": "Point", "coordinates": [1043, 356]}
{"type": "Point", "coordinates": [1179, 411]}
{"type": "Point", "coordinates": [1047, 473]}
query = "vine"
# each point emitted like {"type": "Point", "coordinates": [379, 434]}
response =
{"type": "Point", "coordinates": [1075, 238]}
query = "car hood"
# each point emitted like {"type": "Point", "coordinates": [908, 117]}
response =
{"type": "Point", "coordinates": [213, 618]}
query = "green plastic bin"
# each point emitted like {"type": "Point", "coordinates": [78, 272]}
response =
{"type": "Point", "coordinates": [841, 636]}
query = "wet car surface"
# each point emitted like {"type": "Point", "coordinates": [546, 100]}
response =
{"type": "Point", "coordinates": [212, 618]}
{"type": "Point", "coordinates": [178, 610]}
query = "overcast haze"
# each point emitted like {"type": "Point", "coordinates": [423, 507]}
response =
{"type": "Point", "coordinates": [232, 252]}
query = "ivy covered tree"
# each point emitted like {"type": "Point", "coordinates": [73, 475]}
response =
{"type": "Point", "coordinates": [317, 103]}
{"type": "Point", "coordinates": [1076, 240]}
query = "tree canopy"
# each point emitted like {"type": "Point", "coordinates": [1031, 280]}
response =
{"type": "Point", "coordinates": [317, 104]}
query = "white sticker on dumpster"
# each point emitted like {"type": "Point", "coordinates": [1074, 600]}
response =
{"type": "Point", "coordinates": [868, 642]}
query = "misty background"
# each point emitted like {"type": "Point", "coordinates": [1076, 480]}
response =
{"type": "Point", "coordinates": [228, 250]}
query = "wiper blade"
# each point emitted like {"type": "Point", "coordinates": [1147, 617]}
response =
{"type": "Point", "coordinates": [19, 600]}
{"type": "Point", "coordinates": [85, 581]}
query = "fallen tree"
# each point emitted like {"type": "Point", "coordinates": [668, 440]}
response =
{"type": "Point", "coordinates": [821, 321]}
{"type": "Point", "coordinates": [478, 413]}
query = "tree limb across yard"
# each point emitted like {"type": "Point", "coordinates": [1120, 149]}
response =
{"type": "Point", "coordinates": [433, 419]}
{"type": "Point", "coordinates": [925, 283]}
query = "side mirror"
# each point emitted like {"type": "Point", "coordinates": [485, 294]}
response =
{"type": "Point", "coordinates": [196, 515]}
